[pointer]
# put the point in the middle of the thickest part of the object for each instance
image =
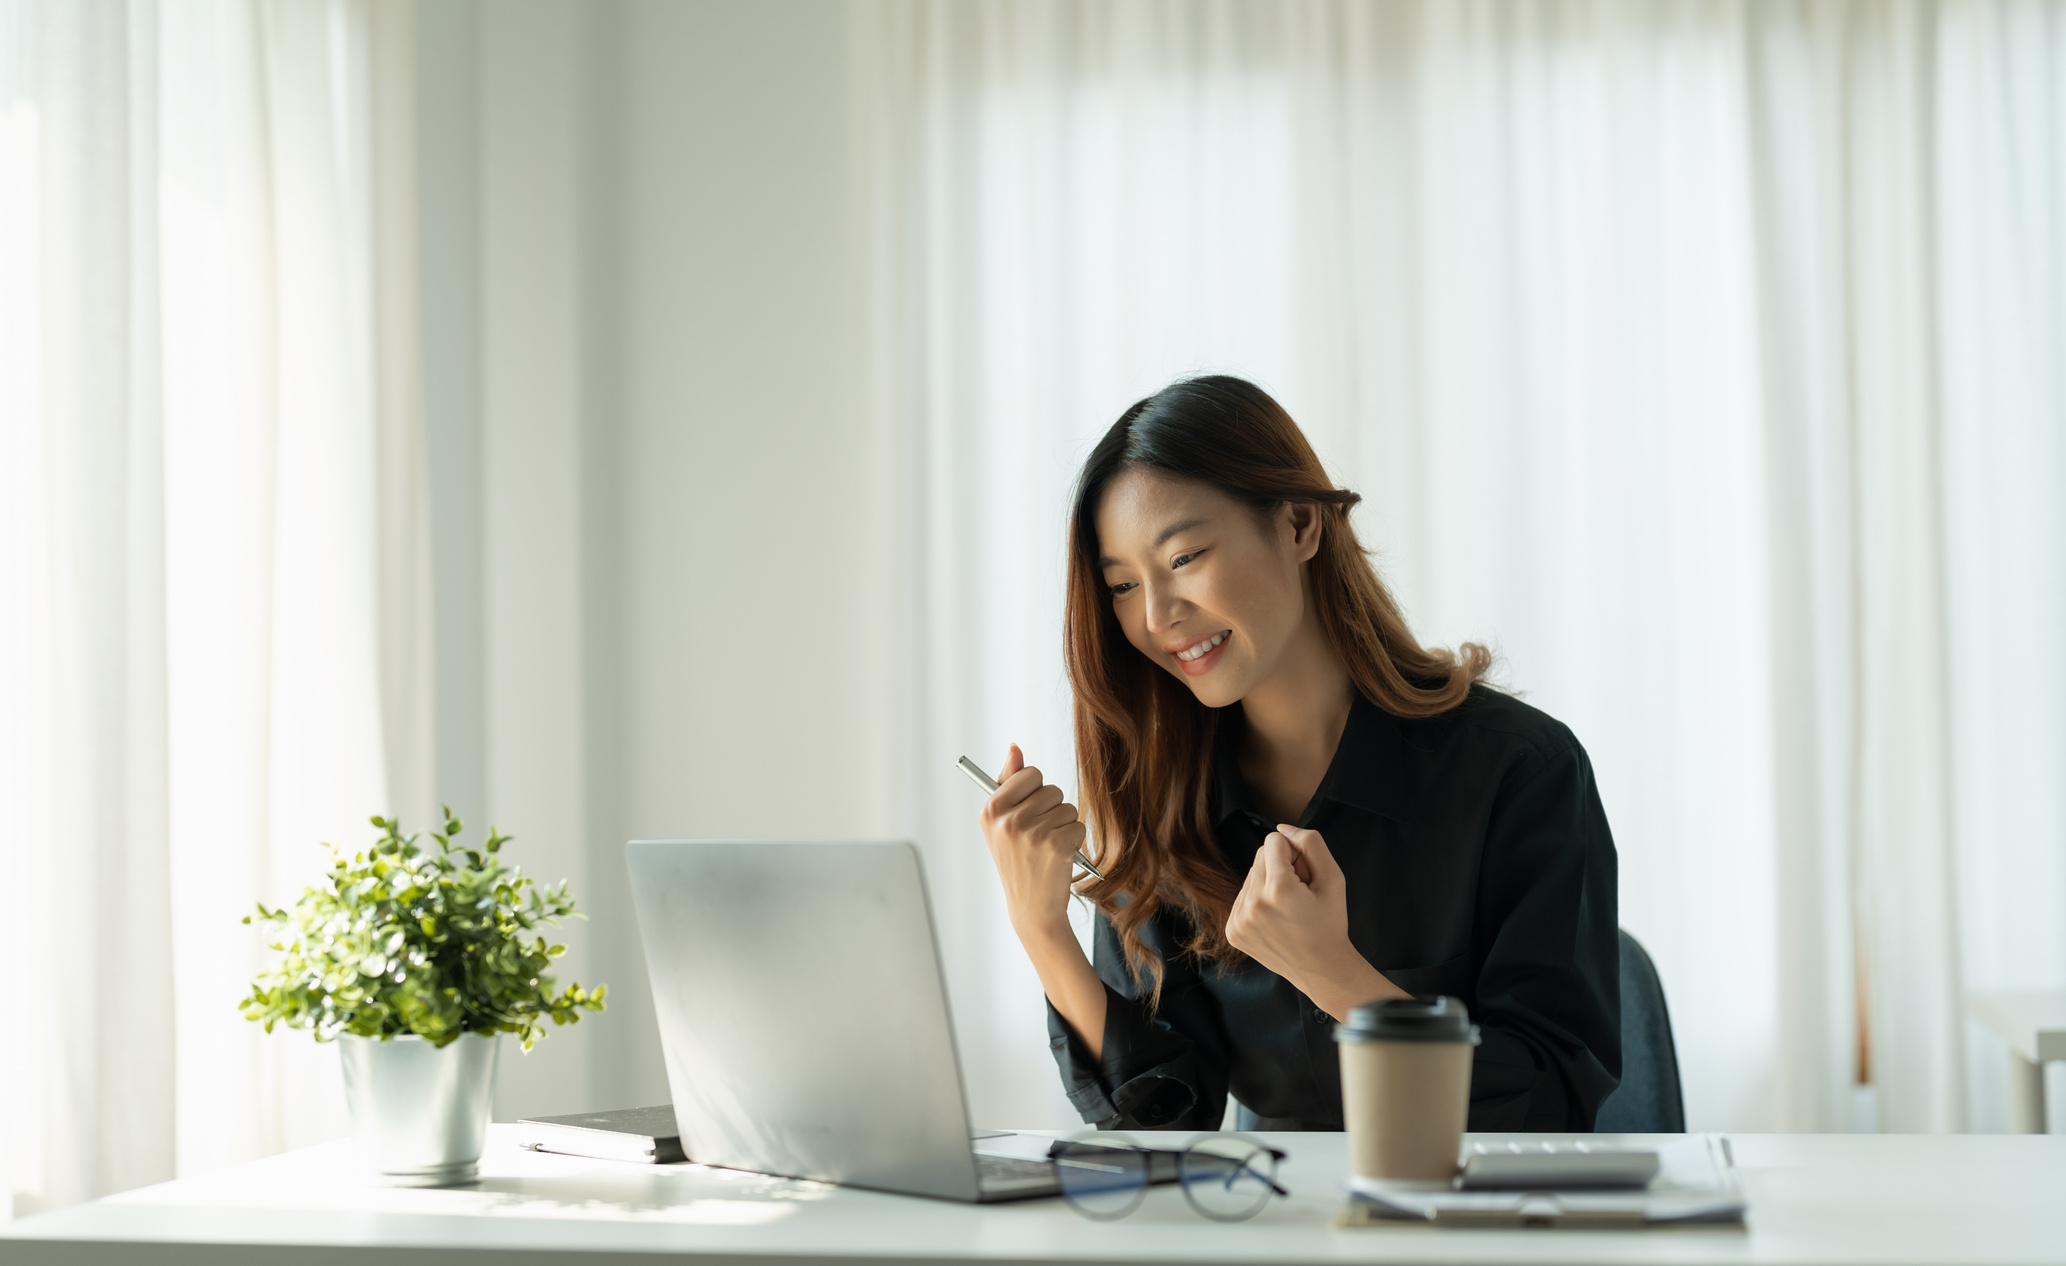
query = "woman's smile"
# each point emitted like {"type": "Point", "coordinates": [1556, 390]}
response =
{"type": "Point", "coordinates": [1199, 657]}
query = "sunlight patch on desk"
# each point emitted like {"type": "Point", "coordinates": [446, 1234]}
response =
{"type": "Point", "coordinates": [536, 1186]}
{"type": "Point", "coordinates": [695, 1212]}
{"type": "Point", "coordinates": [533, 1199]}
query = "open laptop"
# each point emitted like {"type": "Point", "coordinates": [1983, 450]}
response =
{"type": "Point", "coordinates": [804, 1017]}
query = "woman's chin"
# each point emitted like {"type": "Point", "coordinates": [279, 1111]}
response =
{"type": "Point", "coordinates": [1217, 688]}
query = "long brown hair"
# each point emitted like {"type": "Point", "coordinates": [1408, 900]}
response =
{"type": "Point", "coordinates": [1143, 741]}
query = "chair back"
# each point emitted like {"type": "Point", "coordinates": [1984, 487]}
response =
{"type": "Point", "coordinates": [1648, 1100]}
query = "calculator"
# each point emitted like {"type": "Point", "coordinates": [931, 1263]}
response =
{"type": "Point", "coordinates": [1556, 1167]}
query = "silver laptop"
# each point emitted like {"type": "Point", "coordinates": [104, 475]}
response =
{"type": "Point", "coordinates": [804, 1017]}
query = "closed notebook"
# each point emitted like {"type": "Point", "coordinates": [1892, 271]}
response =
{"type": "Point", "coordinates": [641, 1135]}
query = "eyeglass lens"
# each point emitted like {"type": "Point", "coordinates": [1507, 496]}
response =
{"type": "Point", "coordinates": [1103, 1177]}
{"type": "Point", "coordinates": [1226, 1177]}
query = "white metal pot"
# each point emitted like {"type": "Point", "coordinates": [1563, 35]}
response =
{"type": "Point", "coordinates": [420, 1114]}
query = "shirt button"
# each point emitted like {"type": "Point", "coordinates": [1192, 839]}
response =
{"type": "Point", "coordinates": [1320, 1016]}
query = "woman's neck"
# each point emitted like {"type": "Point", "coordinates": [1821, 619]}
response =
{"type": "Point", "coordinates": [1295, 721]}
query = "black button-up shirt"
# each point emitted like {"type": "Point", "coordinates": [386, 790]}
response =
{"type": "Point", "coordinates": [1479, 865]}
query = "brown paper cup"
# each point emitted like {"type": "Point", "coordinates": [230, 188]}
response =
{"type": "Point", "coordinates": [1406, 1093]}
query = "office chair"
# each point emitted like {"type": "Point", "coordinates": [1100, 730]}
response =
{"type": "Point", "coordinates": [1649, 1100]}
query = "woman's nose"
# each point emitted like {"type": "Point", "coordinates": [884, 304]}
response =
{"type": "Point", "coordinates": [1164, 609]}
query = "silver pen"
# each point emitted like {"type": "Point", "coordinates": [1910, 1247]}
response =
{"type": "Point", "coordinates": [989, 786]}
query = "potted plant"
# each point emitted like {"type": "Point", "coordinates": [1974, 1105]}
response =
{"type": "Point", "coordinates": [416, 957]}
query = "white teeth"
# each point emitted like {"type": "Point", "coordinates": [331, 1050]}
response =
{"type": "Point", "coordinates": [1202, 647]}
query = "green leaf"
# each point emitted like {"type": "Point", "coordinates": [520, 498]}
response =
{"type": "Point", "coordinates": [403, 939]}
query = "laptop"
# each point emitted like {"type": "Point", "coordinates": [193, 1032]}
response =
{"type": "Point", "coordinates": [804, 1019]}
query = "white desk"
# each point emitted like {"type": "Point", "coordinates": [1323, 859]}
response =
{"type": "Point", "coordinates": [2033, 1023]}
{"type": "Point", "coordinates": [1815, 1199]}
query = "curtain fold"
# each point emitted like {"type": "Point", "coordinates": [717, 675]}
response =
{"type": "Point", "coordinates": [1680, 351]}
{"type": "Point", "coordinates": [1997, 131]}
{"type": "Point", "coordinates": [214, 498]}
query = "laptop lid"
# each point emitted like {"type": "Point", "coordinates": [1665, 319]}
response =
{"type": "Point", "coordinates": [802, 1011]}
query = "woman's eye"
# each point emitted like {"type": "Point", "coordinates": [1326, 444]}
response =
{"type": "Point", "coordinates": [1122, 587]}
{"type": "Point", "coordinates": [1182, 559]}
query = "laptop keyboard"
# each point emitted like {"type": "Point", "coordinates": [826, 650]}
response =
{"type": "Point", "coordinates": [995, 1172]}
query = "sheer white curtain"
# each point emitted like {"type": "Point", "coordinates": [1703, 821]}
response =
{"type": "Point", "coordinates": [1703, 358]}
{"type": "Point", "coordinates": [211, 582]}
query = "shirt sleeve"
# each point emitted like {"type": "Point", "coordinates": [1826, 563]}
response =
{"type": "Point", "coordinates": [1549, 992]}
{"type": "Point", "coordinates": [1160, 1071]}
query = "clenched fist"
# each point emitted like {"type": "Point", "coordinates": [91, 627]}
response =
{"type": "Point", "coordinates": [1033, 834]}
{"type": "Point", "coordinates": [1292, 916]}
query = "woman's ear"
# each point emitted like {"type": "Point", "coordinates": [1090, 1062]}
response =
{"type": "Point", "coordinates": [1300, 523]}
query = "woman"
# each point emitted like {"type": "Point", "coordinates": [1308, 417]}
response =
{"type": "Point", "coordinates": [1296, 807]}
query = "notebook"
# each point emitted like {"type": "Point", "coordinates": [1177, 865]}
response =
{"type": "Point", "coordinates": [642, 1135]}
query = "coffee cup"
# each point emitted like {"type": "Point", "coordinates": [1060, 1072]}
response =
{"type": "Point", "coordinates": [1406, 1088]}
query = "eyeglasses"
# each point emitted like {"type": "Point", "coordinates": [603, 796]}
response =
{"type": "Point", "coordinates": [1226, 1177]}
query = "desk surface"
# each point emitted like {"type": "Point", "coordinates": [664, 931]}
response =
{"type": "Point", "coordinates": [1814, 1199]}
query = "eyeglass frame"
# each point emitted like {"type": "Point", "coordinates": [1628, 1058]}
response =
{"type": "Point", "coordinates": [1277, 1157]}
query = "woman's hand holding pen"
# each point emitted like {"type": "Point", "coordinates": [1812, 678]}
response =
{"type": "Point", "coordinates": [1292, 916]}
{"type": "Point", "coordinates": [1033, 834]}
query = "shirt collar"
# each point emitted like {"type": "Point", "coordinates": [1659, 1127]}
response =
{"type": "Point", "coordinates": [1369, 770]}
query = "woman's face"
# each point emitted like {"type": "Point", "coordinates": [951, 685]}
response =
{"type": "Point", "coordinates": [1202, 584]}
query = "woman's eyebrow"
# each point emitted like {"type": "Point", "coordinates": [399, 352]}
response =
{"type": "Point", "coordinates": [1184, 525]}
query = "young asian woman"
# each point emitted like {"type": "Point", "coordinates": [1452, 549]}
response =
{"type": "Point", "coordinates": [1296, 807]}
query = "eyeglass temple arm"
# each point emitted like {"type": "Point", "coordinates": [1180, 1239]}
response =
{"type": "Point", "coordinates": [1268, 1181]}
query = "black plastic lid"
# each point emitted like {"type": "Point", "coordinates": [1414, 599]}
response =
{"type": "Point", "coordinates": [1408, 1020]}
